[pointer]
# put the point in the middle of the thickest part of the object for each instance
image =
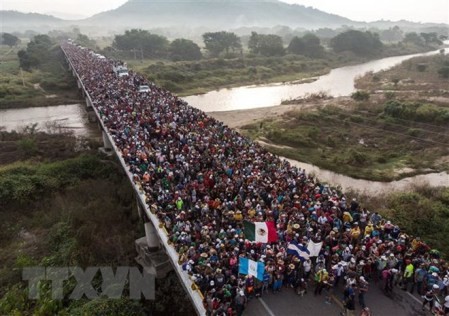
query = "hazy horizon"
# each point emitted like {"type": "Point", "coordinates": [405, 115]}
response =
{"type": "Point", "coordinates": [433, 11]}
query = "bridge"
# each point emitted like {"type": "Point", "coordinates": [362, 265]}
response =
{"type": "Point", "coordinates": [157, 254]}
{"type": "Point", "coordinates": [154, 250]}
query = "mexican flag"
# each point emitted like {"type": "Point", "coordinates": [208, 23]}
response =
{"type": "Point", "coordinates": [263, 232]}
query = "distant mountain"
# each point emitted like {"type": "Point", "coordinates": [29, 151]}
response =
{"type": "Point", "coordinates": [187, 17]}
{"type": "Point", "coordinates": [215, 14]}
{"type": "Point", "coordinates": [17, 21]}
{"type": "Point", "coordinates": [67, 15]}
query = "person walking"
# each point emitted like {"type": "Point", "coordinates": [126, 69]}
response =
{"type": "Point", "coordinates": [349, 300]}
{"type": "Point", "coordinates": [408, 275]}
{"type": "Point", "coordinates": [363, 289]}
{"type": "Point", "coordinates": [429, 297]}
{"type": "Point", "coordinates": [240, 302]}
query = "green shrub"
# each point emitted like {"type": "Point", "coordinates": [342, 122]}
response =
{"type": "Point", "coordinates": [360, 95]}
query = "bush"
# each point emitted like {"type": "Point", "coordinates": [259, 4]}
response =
{"type": "Point", "coordinates": [360, 96]}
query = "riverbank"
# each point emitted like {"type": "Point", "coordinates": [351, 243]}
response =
{"type": "Point", "coordinates": [200, 77]}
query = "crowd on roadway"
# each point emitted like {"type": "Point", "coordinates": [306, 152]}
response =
{"type": "Point", "coordinates": [203, 179]}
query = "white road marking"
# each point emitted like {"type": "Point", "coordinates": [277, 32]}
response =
{"type": "Point", "coordinates": [269, 311]}
{"type": "Point", "coordinates": [414, 297]}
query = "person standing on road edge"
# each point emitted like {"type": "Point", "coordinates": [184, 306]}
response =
{"type": "Point", "coordinates": [240, 302]}
{"type": "Point", "coordinates": [363, 289]}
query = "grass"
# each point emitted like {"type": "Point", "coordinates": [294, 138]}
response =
{"type": "Point", "coordinates": [359, 142]}
{"type": "Point", "coordinates": [408, 76]}
{"type": "Point", "coordinates": [51, 84]}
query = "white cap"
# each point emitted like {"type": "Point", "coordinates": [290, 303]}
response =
{"type": "Point", "coordinates": [436, 287]}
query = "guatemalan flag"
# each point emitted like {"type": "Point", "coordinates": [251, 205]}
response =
{"type": "Point", "coordinates": [298, 250]}
{"type": "Point", "coordinates": [263, 232]}
{"type": "Point", "coordinates": [251, 267]}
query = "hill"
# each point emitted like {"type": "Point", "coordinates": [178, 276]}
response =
{"type": "Point", "coordinates": [215, 14]}
{"type": "Point", "coordinates": [14, 21]}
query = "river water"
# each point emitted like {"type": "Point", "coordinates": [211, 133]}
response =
{"type": "Point", "coordinates": [339, 81]}
{"type": "Point", "coordinates": [71, 117]}
{"type": "Point", "coordinates": [373, 187]}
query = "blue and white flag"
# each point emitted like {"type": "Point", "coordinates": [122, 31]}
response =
{"type": "Point", "coordinates": [251, 267]}
{"type": "Point", "coordinates": [298, 250]}
{"type": "Point", "coordinates": [314, 248]}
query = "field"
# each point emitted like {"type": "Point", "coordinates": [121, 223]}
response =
{"type": "Point", "coordinates": [52, 84]}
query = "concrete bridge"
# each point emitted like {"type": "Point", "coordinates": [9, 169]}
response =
{"type": "Point", "coordinates": [154, 251]}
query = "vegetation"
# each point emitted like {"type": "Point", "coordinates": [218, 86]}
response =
{"type": "Point", "coordinates": [143, 42]}
{"type": "Point", "coordinates": [183, 49]}
{"type": "Point", "coordinates": [9, 39]}
{"type": "Point", "coordinates": [209, 74]}
{"type": "Point", "coordinates": [309, 45]}
{"type": "Point", "coordinates": [76, 211]}
{"type": "Point", "coordinates": [362, 141]}
{"type": "Point", "coordinates": [424, 75]}
{"type": "Point", "coordinates": [226, 62]}
{"type": "Point", "coordinates": [35, 76]}
{"type": "Point", "coordinates": [357, 42]}
{"type": "Point", "coordinates": [217, 43]}
{"type": "Point", "coordinates": [266, 44]}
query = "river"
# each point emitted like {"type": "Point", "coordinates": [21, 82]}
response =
{"type": "Point", "coordinates": [71, 117]}
{"type": "Point", "coordinates": [338, 82]}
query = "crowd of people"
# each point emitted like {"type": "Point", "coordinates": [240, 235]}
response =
{"type": "Point", "coordinates": [204, 179]}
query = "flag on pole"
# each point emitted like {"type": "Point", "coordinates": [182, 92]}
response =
{"type": "Point", "coordinates": [314, 248]}
{"type": "Point", "coordinates": [298, 250]}
{"type": "Point", "coordinates": [251, 267]}
{"type": "Point", "coordinates": [263, 232]}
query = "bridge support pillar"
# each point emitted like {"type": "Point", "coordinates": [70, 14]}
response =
{"type": "Point", "coordinates": [106, 143]}
{"type": "Point", "coordinates": [151, 237]}
{"type": "Point", "coordinates": [88, 104]}
{"type": "Point", "coordinates": [140, 211]}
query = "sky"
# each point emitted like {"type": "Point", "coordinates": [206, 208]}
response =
{"type": "Point", "coordinates": [359, 10]}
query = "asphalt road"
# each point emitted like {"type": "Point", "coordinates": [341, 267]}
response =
{"type": "Point", "coordinates": [288, 303]}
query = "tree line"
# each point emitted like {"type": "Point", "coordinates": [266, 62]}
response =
{"type": "Point", "coordinates": [142, 44]}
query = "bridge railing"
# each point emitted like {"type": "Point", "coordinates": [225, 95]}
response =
{"type": "Point", "coordinates": [191, 288]}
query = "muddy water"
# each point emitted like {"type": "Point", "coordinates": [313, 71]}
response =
{"type": "Point", "coordinates": [71, 117]}
{"type": "Point", "coordinates": [373, 187]}
{"type": "Point", "coordinates": [339, 82]}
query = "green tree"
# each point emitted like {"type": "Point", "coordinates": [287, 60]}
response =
{"type": "Point", "coordinates": [360, 43]}
{"type": "Point", "coordinates": [431, 38]}
{"type": "Point", "coordinates": [141, 42]}
{"type": "Point", "coordinates": [312, 45]}
{"type": "Point", "coordinates": [218, 42]}
{"type": "Point", "coordinates": [413, 38]}
{"type": "Point", "coordinates": [10, 40]}
{"type": "Point", "coordinates": [296, 46]}
{"type": "Point", "coordinates": [266, 44]}
{"type": "Point", "coordinates": [37, 52]}
{"type": "Point", "coordinates": [184, 49]}
{"type": "Point", "coordinates": [85, 41]}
